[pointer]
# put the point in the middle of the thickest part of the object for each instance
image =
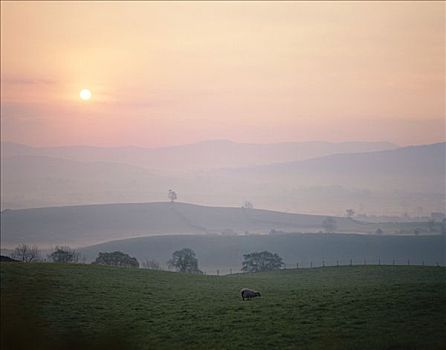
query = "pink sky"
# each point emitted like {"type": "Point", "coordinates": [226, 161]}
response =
{"type": "Point", "coordinates": [177, 72]}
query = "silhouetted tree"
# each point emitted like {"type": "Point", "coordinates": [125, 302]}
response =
{"type": "Point", "coordinates": [116, 259]}
{"type": "Point", "coordinates": [261, 261]}
{"type": "Point", "coordinates": [64, 255]}
{"type": "Point", "coordinates": [26, 253]}
{"type": "Point", "coordinates": [349, 213]}
{"type": "Point", "coordinates": [329, 224]}
{"type": "Point", "coordinates": [379, 231]}
{"type": "Point", "coordinates": [172, 195]}
{"type": "Point", "coordinates": [248, 205]}
{"type": "Point", "coordinates": [184, 260]}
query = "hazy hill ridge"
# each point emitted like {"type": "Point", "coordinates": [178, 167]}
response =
{"type": "Point", "coordinates": [204, 155]}
{"type": "Point", "coordinates": [424, 162]}
{"type": "Point", "coordinates": [381, 182]}
{"type": "Point", "coordinates": [90, 224]}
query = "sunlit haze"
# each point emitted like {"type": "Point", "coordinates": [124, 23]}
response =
{"type": "Point", "coordinates": [280, 164]}
{"type": "Point", "coordinates": [166, 73]}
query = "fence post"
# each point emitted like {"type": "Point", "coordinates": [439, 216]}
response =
{"type": "Point", "coordinates": [311, 264]}
{"type": "Point", "coordinates": [351, 262]}
{"type": "Point", "coordinates": [297, 265]}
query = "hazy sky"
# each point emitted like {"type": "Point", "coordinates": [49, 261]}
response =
{"type": "Point", "coordinates": [170, 73]}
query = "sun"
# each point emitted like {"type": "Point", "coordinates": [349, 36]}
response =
{"type": "Point", "coordinates": [85, 94]}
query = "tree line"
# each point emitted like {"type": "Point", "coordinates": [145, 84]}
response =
{"type": "Point", "coordinates": [183, 260]}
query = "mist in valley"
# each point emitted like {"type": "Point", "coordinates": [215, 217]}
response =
{"type": "Point", "coordinates": [222, 175]}
{"type": "Point", "coordinates": [313, 178]}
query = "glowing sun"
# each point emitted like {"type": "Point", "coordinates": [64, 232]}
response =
{"type": "Point", "coordinates": [85, 94]}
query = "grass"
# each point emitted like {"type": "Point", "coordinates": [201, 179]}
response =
{"type": "Point", "coordinates": [50, 306]}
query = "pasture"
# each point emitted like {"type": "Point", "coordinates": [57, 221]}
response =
{"type": "Point", "coordinates": [51, 306]}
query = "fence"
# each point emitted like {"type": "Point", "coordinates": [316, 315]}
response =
{"type": "Point", "coordinates": [338, 263]}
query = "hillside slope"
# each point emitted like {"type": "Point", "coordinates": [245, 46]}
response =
{"type": "Point", "coordinates": [81, 225]}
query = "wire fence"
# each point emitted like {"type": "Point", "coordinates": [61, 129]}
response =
{"type": "Point", "coordinates": [309, 264]}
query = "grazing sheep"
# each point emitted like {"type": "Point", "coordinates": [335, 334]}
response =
{"type": "Point", "coordinates": [249, 293]}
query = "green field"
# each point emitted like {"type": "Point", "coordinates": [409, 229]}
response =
{"type": "Point", "coordinates": [50, 306]}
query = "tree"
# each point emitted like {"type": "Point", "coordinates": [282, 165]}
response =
{"type": "Point", "coordinates": [349, 213]}
{"type": "Point", "coordinates": [261, 261]}
{"type": "Point", "coordinates": [151, 264]}
{"type": "Point", "coordinates": [64, 255]}
{"type": "Point", "coordinates": [329, 224]}
{"type": "Point", "coordinates": [184, 260]}
{"type": "Point", "coordinates": [26, 253]}
{"type": "Point", "coordinates": [116, 259]}
{"type": "Point", "coordinates": [379, 231]}
{"type": "Point", "coordinates": [248, 205]}
{"type": "Point", "coordinates": [172, 195]}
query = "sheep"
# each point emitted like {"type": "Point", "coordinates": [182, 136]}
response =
{"type": "Point", "coordinates": [249, 293]}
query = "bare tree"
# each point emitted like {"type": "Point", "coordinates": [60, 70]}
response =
{"type": "Point", "coordinates": [172, 195]}
{"type": "Point", "coordinates": [151, 264]}
{"type": "Point", "coordinates": [26, 253]}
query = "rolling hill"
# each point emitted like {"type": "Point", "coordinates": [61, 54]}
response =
{"type": "Point", "coordinates": [416, 168]}
{"type": "Point", "coordinates": [81, 225]}
{"type": "Point", "coordinates": [90, 224]}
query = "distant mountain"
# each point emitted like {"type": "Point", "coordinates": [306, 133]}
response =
{"type": "Point", "coordinates": [415, 168]}
{"type": "Point", "coordinates": [81, 225]}
{"type": "Point", "coordinates": [391, 182]}
{"type": "Point", "coordinates": [202, 155]}
{"type": "Point", "coordinates": [36, 181]}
